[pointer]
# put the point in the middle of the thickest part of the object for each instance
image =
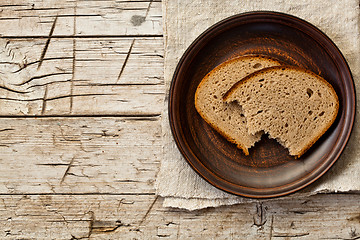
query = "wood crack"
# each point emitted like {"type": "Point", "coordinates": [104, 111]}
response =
{"type": "Point", "coordinates": [7, 129]}
{"type": "Point", "coordinates": [80, 176]}
{"type": "Point", "coordinates": [108, 229]}
{"type": "Point", "coordinates": [43, 108]}
{"type": "Point", "coordinates": [13, 90]}
{"type": "Point", "coordinates": [287, 235]}
{"type": "Point", "coordinates": [41, 76]}
{"type": "Point", "coordinates": [55, 98]}
{"type": "Point", "coordinates": [91, 223]}
{"type": "Point", "coordinates": [36, 62]}
{"type": "Point", "coordinates": [38, 9]}
{"type": "Point", "coordinates": [148, 8]}
{"type": "Point", "coordinates": [13, 5]}
{"type": "Point", "coordinates": [47, 43]}
{"type": "Point", "coordinates": [52, 164]}
{"type": "Point", "coordinates": [148, 211]}
{"type": "Point", "coordinates": [305, 211]}
{"type": "Point", "coordinates": [163, 235]}
{"type": "Point", "coordinates": [10, 63]}
{"type": "Point", "coordinates": [73, 66]}
{"type": "Point", "coordinates": [260, 216]}
{"type": "Point", "coordinates": [76, 15]}
{"type": "Point", "coordinates": [126, 59]}
{"type": "Point", "coordinates": [117, 84]}
{"type": "Point", "coordinates": [67, 170]}
{"type": "Point", "coordinates": [271, 227]}
{"type": "Point", "coordinates": [46, 84]}
{"type": "Point", "coordinates": [127, 181]}
{"type": "Point", "coordinates": [81, 95]}
{"type": "Point", "coordinates": [9, 18]}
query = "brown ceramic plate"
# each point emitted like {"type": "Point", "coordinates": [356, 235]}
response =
{"type": "Point", "coordinates": [268, 171]}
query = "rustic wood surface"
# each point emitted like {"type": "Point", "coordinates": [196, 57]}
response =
{"type": "Point", "coordinates": [80, 139]}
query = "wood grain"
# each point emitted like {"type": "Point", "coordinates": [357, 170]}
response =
{"type": "Point", "coordinates": [34, 18]}
{"type": "Point", "coordinates": [88, 172]}
{"type": "Point", "coordinates": [119, 18]}
{"type": "Point", "coordinates": [87, 80]}
{"type": "Point", "coordinates": [79, 155]}
{"type": "Point", "coordinates": [143, 217]}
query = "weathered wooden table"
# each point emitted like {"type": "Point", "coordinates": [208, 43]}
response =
{"type": "Point", "coordinates": [80, 140]}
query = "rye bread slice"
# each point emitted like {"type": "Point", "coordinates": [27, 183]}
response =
{"type": "Point", "coordinates": [292, 105]}
{"type": "Point", "coordinates": [228, 118]}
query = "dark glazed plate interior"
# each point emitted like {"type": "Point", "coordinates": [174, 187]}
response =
{"type": "Point", "coordinates": [268, 171]}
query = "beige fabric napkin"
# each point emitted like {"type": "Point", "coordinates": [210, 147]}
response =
{"type": "Point", "coordinates": [184, 20]}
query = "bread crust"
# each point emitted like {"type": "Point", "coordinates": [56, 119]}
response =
{"type": "Point", "coordinates": [210, 74]}
{"type": "Point", "coordinates": [270, 69]}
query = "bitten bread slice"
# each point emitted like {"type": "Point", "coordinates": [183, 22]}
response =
{"type": "Point", "coordinates": [293, 105]}
{"type": "Point", "coordinates": [227, 118]}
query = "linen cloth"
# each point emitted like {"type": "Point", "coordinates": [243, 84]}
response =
{"type": "Point", "coordinates": [184, 20]}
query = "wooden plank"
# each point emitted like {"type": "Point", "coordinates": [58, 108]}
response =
{"type": "Point", "coordinates": [126, 74]}
{"type": "Point", "coordinates": [119, 18]}
{"type": "Point", "coordinates": [102, 76]}
{"type": "Point", "coordinates": [120, 61]}
{"type": "Point", "coordinates": [35, 18]}
{"type": "Point", "coordinates": [334, 216]}
{"type": "Point", "coordinates": [79, 155]}
{"type": "Point", "coordinates": [93, 177]}
{"type": "Point", "coordinates": [118, 100]}
{"type": "Point", "coordinates": [327, 216]}
{"type": "Point", "coordinates": [46, 75]}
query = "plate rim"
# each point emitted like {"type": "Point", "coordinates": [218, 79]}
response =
{"type": "Point", "coordinates": [345, 133]}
